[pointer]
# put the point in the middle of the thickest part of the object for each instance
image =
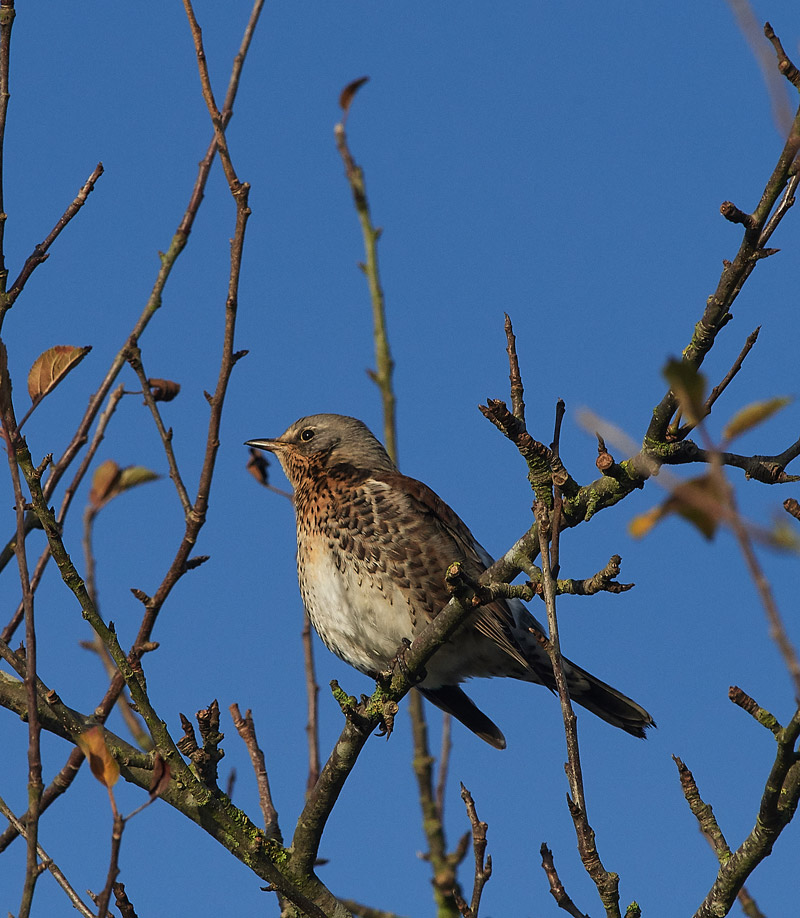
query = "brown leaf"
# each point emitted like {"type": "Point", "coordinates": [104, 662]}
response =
{"type": "Point", "coordinates": [348, 93]}
{"type": "Point", "coordinates": [92, 743]}
{"type": "Point", "coordinates": [257, 465]}
{"type": "Point", "coordinates": [698, 503]}
{"type": "Point", "coordinates": [51, 367]}
{"type": "Point", "coordinates": [103, 481]}
{"type": "Point", "coordinates": [164, 390]}
{"type": "Point", "coordinates": [109, 481]}
{"type": "Point", "coordinates": [161, 775]}
{"type": "Point", "coordinates": [752, 415]}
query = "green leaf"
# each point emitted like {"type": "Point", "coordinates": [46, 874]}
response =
{"type": "Point", "coordinates": [754, 414]}
{"type": "Point", "coordinates": [132, 476]}
{"type": "Point", "coordinates": [689, 387]}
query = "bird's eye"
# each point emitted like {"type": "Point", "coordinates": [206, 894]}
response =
{"type": "Point", "coordinates": [307, 434]}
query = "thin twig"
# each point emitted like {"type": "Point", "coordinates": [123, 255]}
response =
{"type": "Point", "coordinates": [312, 696]}
{"type": "Point", "coordinates": [132, 721]}
{"type": "Point", "coordinates": [444, 763]}
{"type": "Point", "coordinates": [168, 259]}
{"type": "Point", "coordinates": [69, 493]}
{"type": "Point", "coordinates": [777, 630]}
{"type": "Point", "coordinates": [517, 389]}
{"type": "Point", "coordinates": [685, 429]}
{"type": "Point", "coordinates": [750, 28]}
{"type": "Point", "coordinates": [135, 360]}
{"type": "Point", "coordinates": [117, 829]}
{"type": "Point", "coordinates": [247, 730]}
{"type": "Point", "coordinates": [607, 883]}
{"type": "Point", "coordinates": [483, 862]}
{"type": "Point", "coordinates": [208, 95]}
{"type": "Point", "coordinates": [443, 866]}
{"type": "Point", "coordinates": [40, 252]}
{"type": "Point", "coordinates": [384, 364]}
{"type": "Point", "coordinates": [48, 862]}
{"type": "Point", "coordinates": [557, 890]}
{"type": "Point", "coordinates": [7, 14]}
{"type": "Point", "coordinates": [35, 785]}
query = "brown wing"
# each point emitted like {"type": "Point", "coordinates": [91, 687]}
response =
{"type": "Point", "coordinates": [435, 536]}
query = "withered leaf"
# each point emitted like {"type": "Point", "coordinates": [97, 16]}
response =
{"type": "Point", "coordinates": [257, 465]}
{"type": "Point", "coordinates": [161, 775]}
{"type": "Point", "coordinates": [109, 481]}
{"type": "Point", "coordinates": [689, 387]}
{"type": "Point", "coordinates": [164, 390]}
{"type": "Point", "coordinates": [348, 93]}
{"type": "Point", "coordinates": [752, 415]}
{"type": "Point", "coordinates": [104, 478]}
{"type": "Point", "coordinates": [92, 743]}
{"type": "Point", "coordinates": [699, 501]}
{"type": "Point", "coordinates": [51, 367]}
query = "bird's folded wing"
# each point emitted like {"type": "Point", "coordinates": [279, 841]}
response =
{"type": "Point", "coordinates": [452, 540]}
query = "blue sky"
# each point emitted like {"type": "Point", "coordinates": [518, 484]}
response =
{"type": "Point", "coordinates": [561, 162]}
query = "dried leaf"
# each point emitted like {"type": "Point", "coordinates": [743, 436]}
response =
{"type": "Point", "coordinates": [752, 415]}
{"type": "Point", "coordinates": [698, 501]}
{"type": "Point", "coordinates": [109, 481]}
{"type": "Point", "coordinates": [92, 743]}
{"type": "Point", "coordinates": [641, 525]}
{"type": "Point", "coordinates": [51, 367]}
{"type": "Point", "coordinates": [348, 93]}
{"type": "Point", "coordinates": [161, 776]}
{"type": "Point", "coordinates": [164, 390]}
{"type": "Point", "coordinates": [689, 387]}
{"type": "Point", "coordinates": [257, 465]}
{"type": "Point", "coordinates": [103, 481]}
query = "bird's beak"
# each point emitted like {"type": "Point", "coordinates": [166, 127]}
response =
{"type": "Point", "coordinates": [273, 446]}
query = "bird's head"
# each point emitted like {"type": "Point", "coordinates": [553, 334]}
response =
{"type": "Point", "coordinates": [325, 440]}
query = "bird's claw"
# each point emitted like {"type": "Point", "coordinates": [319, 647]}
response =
{"type": "Point", "coordinates": [399, 662]}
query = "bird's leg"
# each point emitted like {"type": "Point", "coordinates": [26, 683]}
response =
{"type": "Point", "coordinates": [399, 662]}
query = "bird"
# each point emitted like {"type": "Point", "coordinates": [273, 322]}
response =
{"type": "Point", "coordinates": [373, 546]}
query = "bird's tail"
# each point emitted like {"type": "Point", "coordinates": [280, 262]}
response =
{"type": "Point", "coordinates": [606, 702]}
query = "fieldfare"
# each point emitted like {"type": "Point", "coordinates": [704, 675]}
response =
{"type": "Point", "coordinates": [372, 549]}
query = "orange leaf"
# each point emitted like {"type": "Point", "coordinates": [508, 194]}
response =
{"type": "Point", "coordinates": [92, 743]}
{"type": "Point", "coordinates": [51, 367]}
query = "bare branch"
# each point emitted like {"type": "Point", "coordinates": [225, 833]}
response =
{"type": "Point", "coordinates": [483, 862]}
{"type": "Point", "coordinates": [40, 253]}
{"type": "Point", "coordinates": [556, 886]}
{"type": "Point", "coordinates": [514, 375]}
{"type": "Point", "coordinates": [48, 862]}
{"type": "Point", "coordinates": [312, 696]}
{"type": "Point", "coordinates": [384, 367]}
{"type": "Point", "coordinates": [247, 731]}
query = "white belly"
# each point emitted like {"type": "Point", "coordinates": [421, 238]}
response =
{"type": "Point", "coordinates": [360, 622]}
